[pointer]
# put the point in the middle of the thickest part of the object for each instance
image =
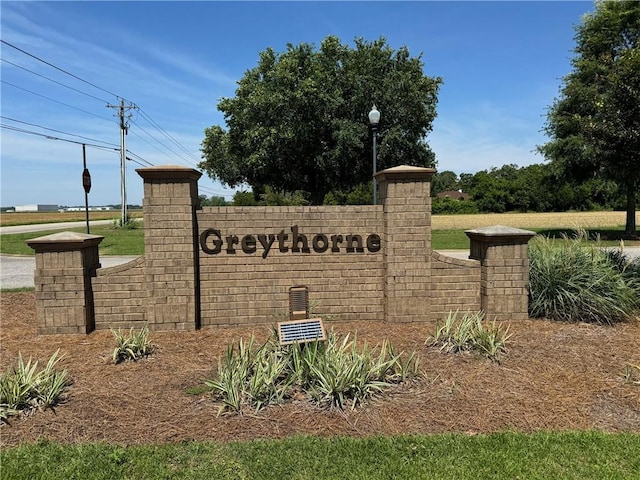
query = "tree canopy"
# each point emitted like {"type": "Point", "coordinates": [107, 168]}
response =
{"type": "Point", "coordinates": [299, 119]}
{"type": "Point", "coordinates": [594, 126]}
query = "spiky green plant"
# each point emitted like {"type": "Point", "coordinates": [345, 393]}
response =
{"type": "Point", "coordinates": [576, 280]}
{"type": "Point", "coordinates": [470, 332]}
{"type": "Point", "coordinates": [631, 374]}
{"type": "Point", "coordinates": [24, 388]}
{"type": "Point", "coordinates": [132, 345]}
{"type": "Point", "coordinates": [332, 373]}
{"type": "Point", "coordinates": [227, 387]}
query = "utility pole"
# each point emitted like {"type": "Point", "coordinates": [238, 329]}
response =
{"type": "Point", "coordinates": [124, 127]}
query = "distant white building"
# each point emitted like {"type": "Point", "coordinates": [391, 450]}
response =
{"type": "Point", "coordinates": [91, 209]}
{"type": "Point", "coordinates": [36, 208]}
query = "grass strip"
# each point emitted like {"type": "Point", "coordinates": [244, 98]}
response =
{"type": "Point", "coordinates": [116, 241]}
{"type": "Point", "coordinates": [543, 455]}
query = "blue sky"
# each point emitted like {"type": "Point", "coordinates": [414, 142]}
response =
{"type": "Point", "coordinates": [501, 62]}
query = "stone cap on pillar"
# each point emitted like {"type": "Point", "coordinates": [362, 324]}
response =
{"type": "Point", "coordinates": [64, 242]}
{"type": "Point", "coordinates": [405, 172]}
{"type": "Point", "coordinates": [171, 172]}
{"type": "Point", "coordinates": [500, 234]}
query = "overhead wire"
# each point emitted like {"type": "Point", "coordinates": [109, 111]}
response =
{"type": "Point", "coordinates": [56, 101]}
{"type": "Point", "coordinates": [164, 145]}
{"type": "Point", "coordinates": [57, 131]}
{"type": "Point", "coordinates": [191, 163]}
{"type": "Point", "coordinates": [148, 163]}
{"type": "Point", "coordinates": [51, 137]}
{"type": "Point", "coordinates": [59, 69]}
{"type": "Point", "coordinates": [52, 80]}
{"type": "Point", "coordinates": [167, 135]}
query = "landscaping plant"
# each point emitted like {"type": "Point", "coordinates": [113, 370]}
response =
{"type": "Point", "coordinates": [631, 374]}
{"type": "Point", "coordinates": [471, 332]}
{"type": "Point", "coordinates": [23, 388]}
{"type": "Point", "coordinates": [334, 373]}
{"type": "Point", "coordinates": [577, 280]}
{"type": "Point", "coordinates": [131, 346]}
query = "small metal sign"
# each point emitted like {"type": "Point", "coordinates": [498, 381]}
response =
{"type": "Point", "coordinates": [86, 180]}
{"type": "Point", "coordinates": [301, 331]}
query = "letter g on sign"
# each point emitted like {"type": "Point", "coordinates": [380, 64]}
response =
{"type": "Point", "coordinates": [217, 241]}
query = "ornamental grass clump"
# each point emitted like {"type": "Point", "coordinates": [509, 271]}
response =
{"type": "Point", "coordinates": [23, 388]}
{"type": "Point", "coordinates": [631, 374]}
{"type": "Point", "coordinates": [131, 346]}
{"type": "Point", "coordinates": [333, 373]}
{"type": "Point", "coordinates": [470, 332]}
{"type": "Point", "coordinates": [576, 280]}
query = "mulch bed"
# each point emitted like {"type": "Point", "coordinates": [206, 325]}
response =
{"type": "Point", "coordinates": [556, 376]}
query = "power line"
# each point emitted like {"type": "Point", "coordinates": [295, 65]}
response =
{"type": "Point", "coordinates": [122, 99]}
{"type": "Point", "coordinates": [56, 131]}
{"type": "Point", "coordinates": [50, 137]}
{"type": "Point", "coordinates": [211, 191]}
{"type": "Point", "coordinates": [139, 163]}
{"type": "Point", "coordinates": [58, 68]}
{"type": "Point", "coordinates": [54, 100]}
{"type": "Point", "coordinates": [165, 146]}
{"type": "Point", "coordinates": [167, 135]}
{"type": "Point", "coordinates": [52, 80]}
{"type": "Point", "coordinates": [147, 162]}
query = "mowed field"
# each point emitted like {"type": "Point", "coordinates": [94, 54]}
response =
{"type": "Point", "coordinates": [439, 222]}
{"type": "Point", "coordinates": [551, 220]}
{"type": "Point", "coordinates": [32, 218]}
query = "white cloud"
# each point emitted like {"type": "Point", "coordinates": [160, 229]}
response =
{"type": "Point", "coordinates": [484, 137]}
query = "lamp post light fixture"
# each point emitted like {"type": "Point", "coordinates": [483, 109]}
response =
{"type": "Point", "coordinates": [374, 119]}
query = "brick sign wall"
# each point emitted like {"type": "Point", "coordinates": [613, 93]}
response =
{"type": "Point", "coordinates": [251, 256]}
{"type": "Point", "coordinates": [235, 265]}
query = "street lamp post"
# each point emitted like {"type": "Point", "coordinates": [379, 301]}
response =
{"type": "Point", "coordinates": [374, 119]}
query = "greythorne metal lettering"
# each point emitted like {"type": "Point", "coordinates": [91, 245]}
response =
{"type": "Point", "coordinates": [213, 242]}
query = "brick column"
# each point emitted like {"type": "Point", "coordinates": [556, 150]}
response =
{"type": "Point", "coordinates": [171, 248]}
{"type": "Point", "coordinates": [65, 263]}
{"type": "Point", "coordinates": [405, 195]}
{"type": "Point", "coordinates": [504, 270]}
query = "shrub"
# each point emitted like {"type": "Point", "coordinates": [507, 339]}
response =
{"type": "Point", "coordinates": [334, 373]}
{"type": "Point", "coordinates": [23, 388]}
{"type": "Point", "coordinates": [128, 224]}
{"type": "Point", "coordinates": [131, 346]}
{"type": "Point", "coordinates": [244, 199]}
{"type": "Point", "coordinates": [450, 206]}
{"type": "Point", "coordinates": [577, 280]}
{"type": "Point", "coordinates": [470, 333]}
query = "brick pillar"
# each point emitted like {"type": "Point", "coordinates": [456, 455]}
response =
{"type": "Point", "coordinates": [65, 263]}
{"type": "Point", "coordinates": [504, 270]}
{"type": "Point", "coordinates": [170, 247]}
{"type": "Point", "coordinates": [405, 195]}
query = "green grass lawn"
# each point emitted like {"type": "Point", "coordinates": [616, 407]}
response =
{"type": "Point", "coordinates": [573, 455]}
{"type": "Point", "coordinates": [116, 241]}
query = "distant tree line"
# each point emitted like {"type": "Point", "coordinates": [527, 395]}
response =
{"type": "Point", "coordinates": [535, 188]}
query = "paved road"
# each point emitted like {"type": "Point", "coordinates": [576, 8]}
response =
{"type": "Point", "coordinates": [16, 271]}
{"type": "Point", "coordinates": [41, 227]}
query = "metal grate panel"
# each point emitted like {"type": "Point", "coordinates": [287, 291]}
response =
{"type": "Point", "coordinates": [299, 331]}
{"type": "Point", "coordinates": [298, 302]}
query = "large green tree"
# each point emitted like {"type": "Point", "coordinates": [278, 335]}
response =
{"type": "Point", "coordinates": [299, 119]}
{"type": "Point", "coordinates": [594, 127]}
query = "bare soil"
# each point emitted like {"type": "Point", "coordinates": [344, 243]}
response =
{"type": "Point", "coordinates": [555, 376]}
